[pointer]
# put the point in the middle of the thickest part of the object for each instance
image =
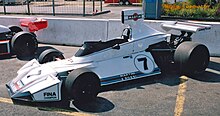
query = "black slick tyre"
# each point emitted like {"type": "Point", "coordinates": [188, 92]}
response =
{"type": "Point", "coordinates": [49, 55]}
{"type": "Point", "coordinates": [82, 85]}
{"type": "Point", "coordinates": [24, 44]}
{"type": "Point", "coordinates": [192, 58]}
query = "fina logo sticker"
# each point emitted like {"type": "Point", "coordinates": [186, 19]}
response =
{"type": "Point", "coordinates": [135, 16]}
{"type": "Point", "coordinates": [50, 95]}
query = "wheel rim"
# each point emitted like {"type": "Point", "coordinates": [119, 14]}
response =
{"type": "Point", "coordinates": [199, 59]}
{"type": "Point", "coordinates": [52, 57]}
{"type": "Point", "coordinates": [87, 88]}
{"type": "Point", "coordinates": [25, 46]}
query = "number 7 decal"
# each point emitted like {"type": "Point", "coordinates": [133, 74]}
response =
{"type": "Point", "coordinates": [144, 63]}
{"type": "Point", "coordinates": [144, 60]}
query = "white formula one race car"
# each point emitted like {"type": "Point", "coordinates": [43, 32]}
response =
{"type": "Point", "coordinates": [13, 40]}
{"type": "Point", "coordinates": [140, 52]}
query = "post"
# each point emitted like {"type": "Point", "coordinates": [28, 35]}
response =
{"type": "Point", "coordinates": [28, 7]}
{"type": "Point", "coordinates": [4, 7]}
{"type": "Point", "coordinates": [157, 2]}
{"type": "Point", "coordinates": [84, 7]}
{"type": "Point", "coordinates": [101, 5]}
{"type": "Point", "coordinates": [53, 3]}
{"type": "Point", "coordinates": [93, 5]}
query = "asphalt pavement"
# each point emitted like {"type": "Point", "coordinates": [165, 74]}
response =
{"type": "Point", "coordinates": [163, 95]}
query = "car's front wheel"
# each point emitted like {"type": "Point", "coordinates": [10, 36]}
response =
{"type": "Point", "coordinates": [49, 55]}
{"type": "Point", "coordinates": [82, 85]}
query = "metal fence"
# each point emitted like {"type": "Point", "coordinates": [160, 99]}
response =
{"type": "Point", "coordinates": [51, 7]}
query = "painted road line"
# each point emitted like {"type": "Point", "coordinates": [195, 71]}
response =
{"type": "Point", "coordinates": [181, 96]}
{"type": "Point", "coordinates": [60, 111]}
{"type": "Point", "coordinates": [74, 114]}
{"type": "Point", "coordinates": [64, 111]}
{"type": "Point", "coordinates": [213, 71]}
{"type": "Point", "coordinates": [6, 100]}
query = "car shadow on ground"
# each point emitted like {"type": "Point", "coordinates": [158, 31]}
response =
{"type": "Point", "coordinates": [22, 58]}
{"type": "Point", "coordinates": [212, 74]}
{"type": "Point", "coordinates": [5, 57]}
{"type": "Point", "coordinates": [98, 105]}
{"type": "Point", "coordinates": [25, 58]}
{"type": "Point", "coordinates": [214, 65]}
{"type": "Point", "coordinates": [36, 55]}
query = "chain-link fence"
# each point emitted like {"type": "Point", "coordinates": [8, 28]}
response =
{"type": "Point", "coordinates": [53, 7]}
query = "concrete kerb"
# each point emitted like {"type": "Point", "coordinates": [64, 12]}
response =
{"type": "Point", "coordinates": [74, 31]}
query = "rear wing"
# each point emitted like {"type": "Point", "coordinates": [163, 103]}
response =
{"type": "Point", "coordinates": [185, 26]}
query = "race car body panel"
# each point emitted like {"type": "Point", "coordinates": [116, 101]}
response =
{"type": "Point", "coordinates": [4, 29]}
{"type": "Point", "coordinates": [142, 31]}
{"type": "Point", "coordinates": [4, 47]}
{"type": "Point", "coordinates": [184, 26]}
{"type": "Point", "coordinates": [4, 43]}
{"type": "Point", "coordinates": [34, 79]}
{"type": "Point", "coordinates": [137, 65]}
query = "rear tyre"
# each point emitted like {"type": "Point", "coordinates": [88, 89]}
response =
{"type": "Point", "coordinates": [192, 58]}
{"type": "Point", "coordinates": [24, 44]}
{"type": "Point", "coordinates": [49, 55]}
{"type": "Point", "coordinates": [82, 85]}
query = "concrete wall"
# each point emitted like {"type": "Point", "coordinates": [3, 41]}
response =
{"type": "Point", "coordinates": [73, 31]}
{"type": "Point", "coordinates": [70, 31]}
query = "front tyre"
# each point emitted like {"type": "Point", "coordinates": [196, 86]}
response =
{"type": "Point", "coordinates": [49, 55]}
{"type": "Point", "coordinates": [192, 58]}
{"type": "Point", "coordinates": [82, 85]}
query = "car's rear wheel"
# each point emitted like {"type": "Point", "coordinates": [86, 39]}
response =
{"type": "Point", "coordinates": [82, 85]}
{"type": "Point", "coordinates": [49, 55]}
{"type": "Point", "coordinates": [192, 58]}
{"type": "Point", "coordinates": [24, 44]}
